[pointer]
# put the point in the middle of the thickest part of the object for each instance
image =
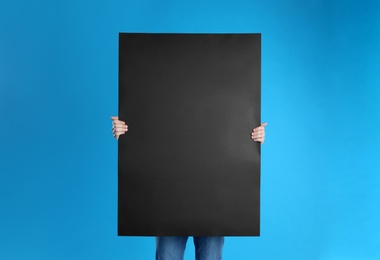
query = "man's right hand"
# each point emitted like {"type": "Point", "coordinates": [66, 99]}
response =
{"type": "Point", "coordinates": [118, 127]}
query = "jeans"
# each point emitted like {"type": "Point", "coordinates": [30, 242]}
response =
{"type": "Point", "coordinates": [173, 248]}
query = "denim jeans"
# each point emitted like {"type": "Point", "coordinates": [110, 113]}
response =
{"type": "Point", "coordinates": [173, 248]}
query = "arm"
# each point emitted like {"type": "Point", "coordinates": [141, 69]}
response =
{"type": "Point", "coordinates": [118, 127]}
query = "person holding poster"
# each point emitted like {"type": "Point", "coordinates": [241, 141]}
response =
{"type": "Point", "coordinates": [173, 247]}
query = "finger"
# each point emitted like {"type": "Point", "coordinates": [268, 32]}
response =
{"type": "Point", "coordinates": [120, 125]}
{"type": "Point", "coordinates": [256, 129]}
{"type": "Point", "coordinates": [260, 127]}
{"type": "Point", "coordinates": [118, 122]}
{"type": "Point", "coordinates": [260, 140]}
{"type": "Point", "coordinates": [115, 119]}
{"type": "Point", "coordinates": [257, 136]}
{"type": "Point", "coordinates": [258, 133]}
{"type": "Point", "coordinates": [125, 127]}
{"type": "Point", "coordinates": [118, 134]}
{"type": "Point", "coordinates": [120, 129]}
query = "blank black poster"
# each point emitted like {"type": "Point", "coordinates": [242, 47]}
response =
{"type": "Point", "coordinates": [187, 165]}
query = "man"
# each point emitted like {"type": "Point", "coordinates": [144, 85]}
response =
{"type": "Point", "coordinates": [173, 247]}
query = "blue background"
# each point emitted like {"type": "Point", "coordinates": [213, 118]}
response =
{"type": "Point", "coordinates": [320, 96]}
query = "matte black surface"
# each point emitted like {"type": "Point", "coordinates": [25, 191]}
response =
{"type": "Point", "coordinates": [187, 165]}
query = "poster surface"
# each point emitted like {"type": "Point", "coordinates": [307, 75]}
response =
{"type": "Point", "coordinates": [187, 165]}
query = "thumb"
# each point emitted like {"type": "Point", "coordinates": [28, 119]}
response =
{"type": "Point", "coordinates": [114, 117]}
{"type": "Point", "coordinates": [264, 124]}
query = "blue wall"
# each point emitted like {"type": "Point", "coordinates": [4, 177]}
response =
{"type": "Point", "coordinates": [320, 96]}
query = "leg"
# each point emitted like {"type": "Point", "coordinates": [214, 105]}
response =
{"type": "Point", "coordinates": [208, 248]}
{"type": "Point", "coordinates": [170, 248]}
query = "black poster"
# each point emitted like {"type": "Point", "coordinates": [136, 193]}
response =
{"type": "Point", "coordinates": [187, 165]}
